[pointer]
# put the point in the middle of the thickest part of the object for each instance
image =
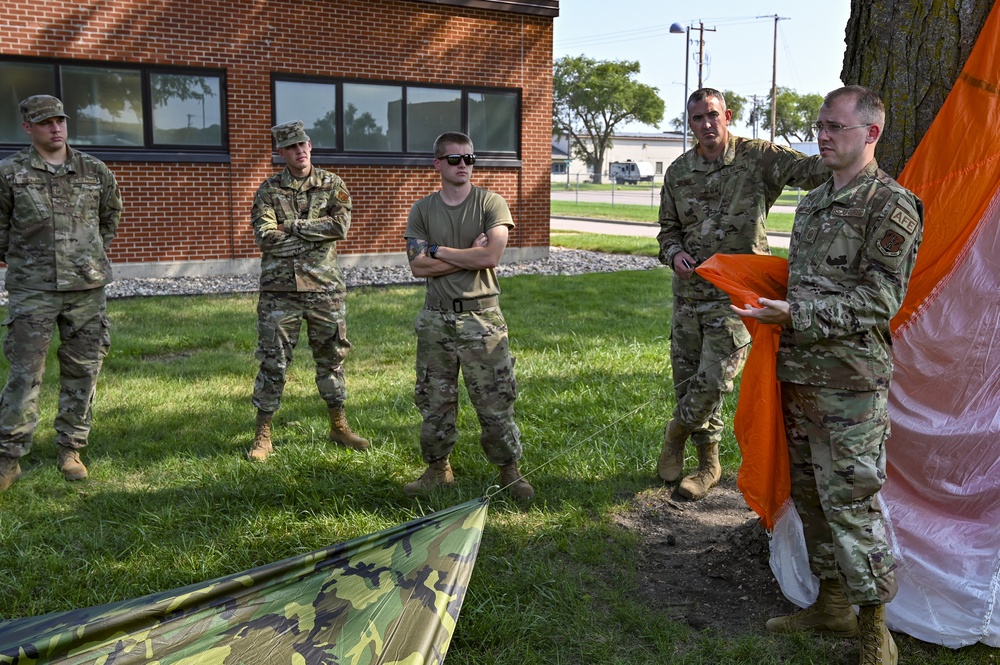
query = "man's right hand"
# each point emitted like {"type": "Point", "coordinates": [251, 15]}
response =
{"type": "Point", "coordinates": [684, 264]}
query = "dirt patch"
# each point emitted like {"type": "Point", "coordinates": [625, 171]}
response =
{"type": "Point", "coordinates": [705, 562]}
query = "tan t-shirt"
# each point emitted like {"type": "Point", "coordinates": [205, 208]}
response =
{"type": "Point", "coordinates": [438, 223]}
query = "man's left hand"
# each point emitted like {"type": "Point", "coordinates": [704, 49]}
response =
{"type": "Point", "coordinates": [774, 312]}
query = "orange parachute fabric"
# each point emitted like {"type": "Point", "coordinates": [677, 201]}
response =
{"type": "Point", "coordinates": [759, 427]}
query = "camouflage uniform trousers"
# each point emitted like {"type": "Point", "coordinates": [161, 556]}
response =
{"type": "Point", "coordinates": [477, 343]}
{"type": "Point", "coordinates": [705, 355]}
{"type": "Point", "coordinates": [279, 320]}
{"type": "Point", "coordinates": [836, 445]}
{"type": "Point", "coordinates": [84, 342]}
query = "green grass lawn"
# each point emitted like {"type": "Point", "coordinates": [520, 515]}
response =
{"type": "Point", "coordinates": [171, 500]}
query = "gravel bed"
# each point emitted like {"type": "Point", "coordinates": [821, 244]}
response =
{"type": "Point", "coordinates": [560, 261]}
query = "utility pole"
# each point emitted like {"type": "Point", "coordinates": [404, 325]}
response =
{"type": "Point", "coordinates": [774, 75]}
{"type": "Point", "coordinates": [701, 47]}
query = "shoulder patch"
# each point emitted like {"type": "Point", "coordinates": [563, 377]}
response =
{"type": "Point", "coordinates": [891, 244]}
{"type": "Point", "coordinates": [343, 196]}
{"type": "Point", "coordinates": [905, 222]}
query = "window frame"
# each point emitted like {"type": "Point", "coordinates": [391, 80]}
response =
{"type": "Point", "coordinates": [404, 157]}
{"type": "Point", "coordinates": [148, 152]}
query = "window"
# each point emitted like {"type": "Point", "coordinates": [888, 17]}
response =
{"type": "Point", "coordinates": [314, 104]}
{"type": "Point", "coordinates": [370, 119]}
{"type": "Point", "coordinates": [659, 168]}
{"type": "Point", "coordinates": [559, 168]}
{"type": "Point", "coordinates": [493, 121]}
{"type": "Point", "coordinates": [127, 108]}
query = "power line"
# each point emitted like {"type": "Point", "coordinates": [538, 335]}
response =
{"type": "Point", "coordinates": [648, 32]}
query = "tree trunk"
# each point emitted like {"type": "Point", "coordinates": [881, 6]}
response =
{"type": "Point", "coordinates": [910, 52]}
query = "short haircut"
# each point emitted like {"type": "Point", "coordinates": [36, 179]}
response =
{"type": "Point", "coordinates": [703, 93]}
{"type": "Point", "coordinates": [447, 139]}
{"type": "Point", "coordinates": [867, 104]}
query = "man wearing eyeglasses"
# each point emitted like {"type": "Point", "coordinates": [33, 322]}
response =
{"type": "Point", "coordinates": [854, 244]}
{"type": "Point", "coordinates": [59, 212]}
{"type": "Point", "coordinates": [455, 238]}
{"type": "Point", "coordinates": [715, 199]}
{"type": "Point", "coordinates": [298, 216]}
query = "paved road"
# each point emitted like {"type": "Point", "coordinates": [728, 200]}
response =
{"type": "Point", "coordinates": [631, 196]}
{"type": "Point", "coordinates": [632, 229]}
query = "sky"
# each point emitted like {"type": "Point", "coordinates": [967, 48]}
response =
{"type": "Point", "coordinates": [739, 46]}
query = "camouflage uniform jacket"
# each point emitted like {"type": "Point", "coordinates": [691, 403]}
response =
{"type": "Point", "coordinates": [851, 256]}
{"type": "Point", "coordinates": [316, 213]}
{"type": "Point", "coordinates": [720, 207]}
{"type": "Point", "coordinates": [57, 222]}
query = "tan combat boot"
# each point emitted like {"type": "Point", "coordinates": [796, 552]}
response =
{"type": "Point", "coordinates": [831, 614]}
{"type": "Point", "coordinates": [262, 447]}
{"type": "Point", "coordinates": [671, 461]}
{"type": "Point", "coordinates": [511, 478]}
{"type": "Point", "coordinates": [70, 464]}
{"type": "Point", "coordinates": [877, 646]}
{"type": "Point", "coordinates": [340, 431]}
{"type": "Point", "coordinates": [438, 474]}
{"type": "Point", "coordinates": [10, 471]}
{"type": "Point", "coordinates": [697, 485]}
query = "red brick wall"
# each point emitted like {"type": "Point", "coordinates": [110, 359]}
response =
{"type": "Point", "coordinates": [186, 211]}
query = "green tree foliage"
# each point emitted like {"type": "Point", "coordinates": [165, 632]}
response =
{"type": "Point", "coordinates": [795, 116]}
{"type": "Point", "coordinates": [592, 97]}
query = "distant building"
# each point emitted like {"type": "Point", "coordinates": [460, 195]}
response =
{"type": "Point", "coordinates": [659, 149]}
{"type": "Point", "coordinates": [807, 147]}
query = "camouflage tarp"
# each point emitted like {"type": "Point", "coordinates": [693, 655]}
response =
{"type": "Point", "coordinates": [390, 597]}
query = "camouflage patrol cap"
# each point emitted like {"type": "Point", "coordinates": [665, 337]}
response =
{"type": "Point", "coordinates": [41, 107]}
{"type": "Point", "coordinates": [289, 133]}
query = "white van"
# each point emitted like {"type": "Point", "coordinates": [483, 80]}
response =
{"type": "Point", "coordinates": [630, 172]}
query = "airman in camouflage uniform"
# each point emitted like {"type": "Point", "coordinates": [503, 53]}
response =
{"type": "Point", "coordinates": [298, 216]}
{"type": "Point", "coordinates": [714, 199]}
{"type": "Point", "coordinates": [59, 210]}
{"type": "Point", "coordinates": [853, 248]}
{"type": "Point", "coordinates": [455, 238]}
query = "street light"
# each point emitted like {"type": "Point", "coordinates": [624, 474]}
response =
{"type": "Point", "coordinates": [677, 29]}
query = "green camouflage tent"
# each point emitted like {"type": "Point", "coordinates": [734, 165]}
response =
{"type": "Point", "coordinates": [391, 597]}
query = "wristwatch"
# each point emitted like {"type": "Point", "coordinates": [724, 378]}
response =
{"type": "Point", "coordinates": [431, 251]}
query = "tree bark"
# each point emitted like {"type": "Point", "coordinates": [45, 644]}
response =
{"type": "Point", "coordinates": [910, 52]}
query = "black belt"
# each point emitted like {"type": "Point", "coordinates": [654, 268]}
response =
{"type": "Point", "coordinates": [459, 305]}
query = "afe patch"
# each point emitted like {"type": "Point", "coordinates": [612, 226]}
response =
{"type": "Point", "coordinates": [891, 244]}
{"type": "Point", "coordinates": [905, 222]}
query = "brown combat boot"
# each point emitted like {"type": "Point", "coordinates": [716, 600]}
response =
{"type": "Point", "coordinates": [340, 431]}
{"type": "Point", "coordinates": [697, 485]}
{"type": "Point", "coordinates": [10, 471]}
{"type": "Point", "coordinates": [511, 478]}
{"type": "Point", "coordinates": [831, 614]}
{"type": "Point", "coordinates": [438, 474]}
{"type": "Point", "coordinates": [262, 447]}
{"type": "Point", "coordinates": [877, 646]}
{"type": "Point", "coordinates": [70, 464]}
{"type": "Point", "coordinates": [671, 461]}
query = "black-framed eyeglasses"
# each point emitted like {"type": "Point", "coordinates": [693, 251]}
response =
{"type": "Point", "coordinates": [834, 127]}
{"type": "Point", "coordinates": [453, 160]}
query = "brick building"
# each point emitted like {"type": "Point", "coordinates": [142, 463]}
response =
{"type": "Point", "coordinates": [177, 96]}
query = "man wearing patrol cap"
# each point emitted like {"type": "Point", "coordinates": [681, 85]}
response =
{"type": "Point", "coordinates": [298, 216]}
{"type": "Point", "coordinates": [854, 244]}
{"type": "Point", "coordinates": [59, 210]}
